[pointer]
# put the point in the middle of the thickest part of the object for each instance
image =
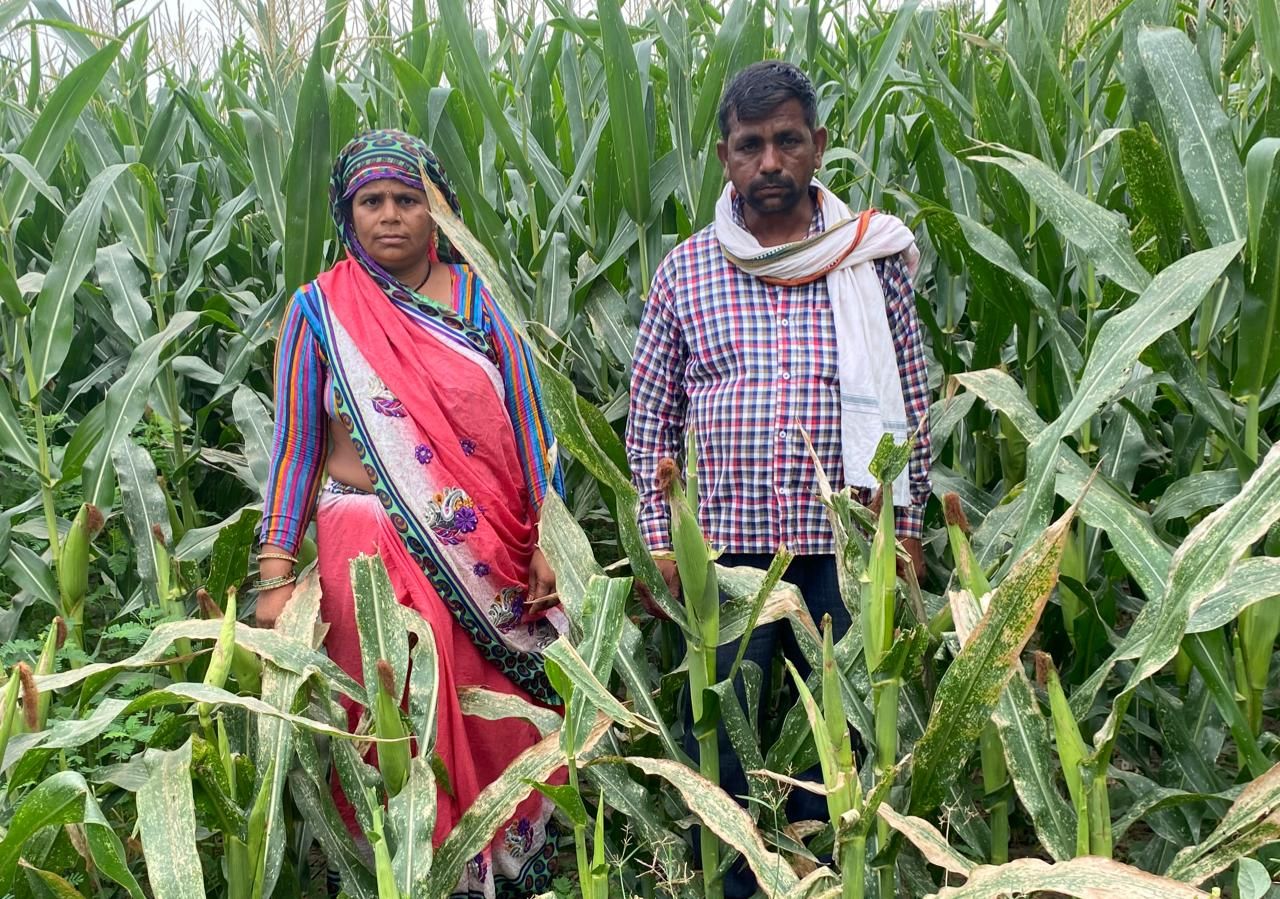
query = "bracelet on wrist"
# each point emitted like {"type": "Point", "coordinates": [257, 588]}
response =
{"type": "Point", "coordinates": [271, 583]}
{"type": "Point", "coordinates": [283, 557]}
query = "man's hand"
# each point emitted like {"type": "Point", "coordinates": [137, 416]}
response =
{"type": "Point", "coordinates": [915, 549]}
{"type": "Point", "coordinates": [542, 583]}
{"type": "Point", "coordinates": [667, 567]}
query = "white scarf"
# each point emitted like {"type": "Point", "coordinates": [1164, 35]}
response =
{"type": "Point", "coordinates": [871, 402]}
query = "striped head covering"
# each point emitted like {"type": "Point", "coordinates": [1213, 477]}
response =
{"type": "Point", "coordinates": [375, 155]}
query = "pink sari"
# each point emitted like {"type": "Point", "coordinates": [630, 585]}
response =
{"type": "Point", "coordinates": [452, 519]}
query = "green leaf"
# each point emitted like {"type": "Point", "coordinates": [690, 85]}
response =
{"type": "Point", "coordinates": [145, 509]}
{"type": "Point", "coordinates": [869, 91]}
{"type": "Point", "coordinates": [1252, 821]}
{"type": "Point", "coordinates": [10, 293]}
{"type": "Point", "coordinates": [14, 442]}
{"type": "Point", "coordinates": [739, 41]}
{"type": "Point", "coordinates": [726, 819]}
{"type": "Point", "coordinates": [307, 178]}
{"type": "Point", "coordinates": [53, 315]}
{"type": "Point", "coordinates": [568, 800]}
{"type": "Point", "coordinates": [65, 798]}
{"type": "Point", "coordinates": [1171, 298]}
{"type": "Point", "coordinates": [167, 819]}
{"type": "Point", "coordinates": [255, 423]}
{"type": "Point", "coordinates": [1205, 558]}
{"type": "Point", "coordinates": [1260, 311]}
{"type": "Point", "coordinates": [31, 573]}
{"type": "Point", "coordinates": [496, 803]}
{"type": "Point", "coordinates": [1029, 756]}
{"type": "Point", "coordinates": [971, 688]}
{"type": "Point", "coordinates": [229, 561]}
{"type": "Point", "coordinates": [477, 702]}
{"type": "Point", "coordinates": [125, 403]}
{"type": "Point", "coordinates": [411, 820]}
{"type": "Point", "coordinates": [1100, 234]}
{"type": "Point", "coordinates": [1087, 878]}
{"type": "Point", "coordinates": [588, 688]}
{"type": "Point", "coordinates": [1207, 153]}
{"type": "Point", "coordinates": [340, 850]}
{"type": "Point", "coordinates": [1250, 582]}
{"type": "Point", "coordinates": [47, 141]}
{"type": "Point", "coordinates": [266, 160]}
{"type": "Point", "coordinates": [626, 111]}
{"type": "Point", "coordinates": [469, 75]}
{"type": "Point", "coordinates": [286, 653]}
{"type": "Point", "coordinates": [925, 837]}
{"type": "Point", "coordinates": [1252, 879]}
{"type": "Point", "coordinates": [122, 281]}
{"type": "Point", "coordinates": [1266, 23]}
{"type": "Point", "coordinates": [381, 622]}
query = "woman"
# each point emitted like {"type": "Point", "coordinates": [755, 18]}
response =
{"type": "Point", "coordinates": [399, 377]}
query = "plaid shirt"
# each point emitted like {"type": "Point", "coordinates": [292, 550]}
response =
{"type": "Point", "coordinates": [747, 365]}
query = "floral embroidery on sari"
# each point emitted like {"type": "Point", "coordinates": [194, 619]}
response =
{"type": "Point", "coordinates": [468, 446]}
{"type": "Point", "coordinates": [384, 401]}
{"type": "Point", "coordinates": [507, 608]}
{"type": "Point", "coordinates": [452, 514]}
{"type": "Point", "coordinates": [423, 454]}
{"type": "Point", "coordinates": [519, 840]}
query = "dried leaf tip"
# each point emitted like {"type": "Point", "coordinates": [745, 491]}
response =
{"type": "Point", "coordinates": [93, 519]}
{"type": "Point", "coordinates": [60, 627]}
{"type": "Point", "coordinates": [953, 511]}
{"type": "Point", "coordinates": [1044, 662]}
{"type": "Point", "coordinates": [30, 697]}
{"type": "Point", "coordinates": [208, 608]}
{"type": "Point", "coordinates": [386, 679]}
{"type": "Point", "coordinates": [666, 474]}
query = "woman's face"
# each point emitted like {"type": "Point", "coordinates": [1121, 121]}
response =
{"type": "Point", "coordinates": [394, 226]}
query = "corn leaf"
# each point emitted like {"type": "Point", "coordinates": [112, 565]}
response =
{"type": "Point", "coordinates": [1087, 878]}
{"type": "Point", "coordinates": [167, 819]}
{"type": "Point", "coordinates": [971, 688]}
{"type": "Point", "coordinates": [724, 817]}
{"type": "Point", "coordinates": [1206, 151]}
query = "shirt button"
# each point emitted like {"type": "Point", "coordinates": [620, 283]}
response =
{"type": "Point", "coordinates": [786, 376]}
{"type": "Point", "coordinates": [784, 322]}
{"type": "Point", "coordinates": [782, 435]}
{"type": "Point", "coordinates": [782, 490]}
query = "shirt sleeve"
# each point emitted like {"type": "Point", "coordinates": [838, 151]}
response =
{"type": "Point", "coordinates": [913, 369]}
{"type": "Point", "coordinates": [655, 425]}
{"type": "Point", "coordinates": [523, 392]}
{"type": "Point", "coordinates": [300, 447]}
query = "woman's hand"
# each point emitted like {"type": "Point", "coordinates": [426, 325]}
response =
{"type": "Point", "coordinates": [542, 583]}
{"type": "Point", "coordinates": [270, 604]}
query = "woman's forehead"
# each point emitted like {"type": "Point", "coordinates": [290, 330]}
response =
{"type": "Point", "coordinates": [387, 185]}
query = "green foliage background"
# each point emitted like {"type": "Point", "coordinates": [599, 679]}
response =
{"type": "Point", "coordinates": [1094, 189]}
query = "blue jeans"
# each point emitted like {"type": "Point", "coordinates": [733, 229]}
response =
{"type": "Point", "coordinates": [815, 577]}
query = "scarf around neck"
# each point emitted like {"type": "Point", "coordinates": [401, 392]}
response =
{"type": "Point", "coordinates": [871, 401]}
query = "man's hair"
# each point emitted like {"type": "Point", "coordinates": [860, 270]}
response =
{"type": "Point", "coordinates": [761, 88]}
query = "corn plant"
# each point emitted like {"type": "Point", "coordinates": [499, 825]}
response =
{"type": "Point", "coordinates": [1093, 187]}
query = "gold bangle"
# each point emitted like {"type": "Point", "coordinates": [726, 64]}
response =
{"type": "Point", "coordinates": [284, 557]}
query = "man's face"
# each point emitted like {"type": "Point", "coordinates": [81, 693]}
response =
{"type": "Point", "coordinates": [772, 160]}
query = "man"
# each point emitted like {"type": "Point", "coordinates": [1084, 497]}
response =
{"type": "Point", "coordinates": [750, 347]}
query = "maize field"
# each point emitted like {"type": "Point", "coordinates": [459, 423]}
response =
{"type": "Point", "coordinates": [1079, 698]}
